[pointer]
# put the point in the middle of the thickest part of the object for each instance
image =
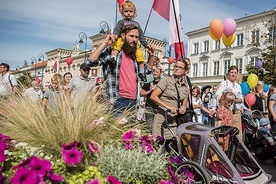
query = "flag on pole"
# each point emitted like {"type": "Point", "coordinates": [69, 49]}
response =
{"type": "Point", "coordinates": [55, 67]}
{"type": "Point", "coordinates": [120, 2]}
{"type": "Point", "coordinates": [169, 10]}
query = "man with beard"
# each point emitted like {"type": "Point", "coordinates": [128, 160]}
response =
{"type": "Point", "coordinates": [121, 77]}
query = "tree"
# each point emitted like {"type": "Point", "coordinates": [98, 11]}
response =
{"type": "Point", "coordinates": [25, 79]}
{"type": "Point", "coordinates": [267, 73]}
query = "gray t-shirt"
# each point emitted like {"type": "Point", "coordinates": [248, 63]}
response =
{"type": "Point", "coordinates": [53, 98]}
{"type": "Point", "coordinates": [273, 98]}
{"type": "Point", "coordinates": [80, 88]}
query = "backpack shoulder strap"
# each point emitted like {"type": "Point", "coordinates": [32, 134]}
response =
{"type": "Point", "coordinates": [9, 77]}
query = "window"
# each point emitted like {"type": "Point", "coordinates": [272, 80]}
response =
{"type": "Point", "coordinates": [195, 70]}
{"type": "Point", "coordinates": [253, 60]}
{"type": "Point", "coordinates": [239, 39]}
{"type": "Point", "coordinates": [239, 64]}
{"type": "Point", "coordinates": [195, 48]}
{"type": "Point", "coordinates": [272, 33]}
{"type": "Point", "coordinates": [204, 69]}
{"type": "Point", "coordinates": [206, 45]}
{"type": "Point", "coordinates": [146, 54]}
{"type": "Point", "coordinates": [217, 45]}
{"type": "Point", "coordinates": [255, 35]}
{"type": "Point", "coordinates": [216, 68]}
{"type": "Point", "coordinates": [226, 66]}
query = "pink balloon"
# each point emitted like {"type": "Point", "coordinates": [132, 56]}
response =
{"type": "Point", "coordinates": [250, 99]}
{"type": "Point", "coordinates": [171, 60]}
{"type": "Point", "coordinates": [229, 27]}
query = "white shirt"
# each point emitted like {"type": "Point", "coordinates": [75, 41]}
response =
{"type": "Point", "coordinates": [34, 94]}
{"type": "Point", "coordinates": [7, 81]}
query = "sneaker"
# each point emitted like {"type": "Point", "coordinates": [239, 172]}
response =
{"type": "Point", "coordinates": [142, 77]}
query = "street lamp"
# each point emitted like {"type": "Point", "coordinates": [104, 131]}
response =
{"type": "Point", "coordinates": [41, 58]}
{"type": "Point", "coordinates": [33, 59]}
{"type": "Point", "coordinates": [82, 36]}
{"type": "Point", "coordinates": [105, 27]}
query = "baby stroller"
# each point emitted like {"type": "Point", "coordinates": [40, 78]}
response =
{"type": "Point", "coordinates": [255, 139]}
{"type": "Point", "coordinates": [203, 160]}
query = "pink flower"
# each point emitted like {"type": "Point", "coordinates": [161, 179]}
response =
{"type": "Point", "coordinates": [2, 156]}
{"type": "Point", "coordinates": [128, 146]}
{"type": "Point", "coordinates": [72, 156]}
{"type": "Point", "coordinates": [165, 182]}
{"type": "Point", "coordinates": [95, 123]}
{"type": "Point", "coordinates": [128, 136]}
{"type": "Point", "coordinates": [95, 181]}
{"type": "Point", "coordinates": [93, 147]}
{"type": "Point", "coordinates": [70, 145]}
{"type": "Point", "coordinates": [25, 176]}
{"type": "Point", "coordinates": [147, 147]}
{"type": "Point", "coordinates": [54, 178]}
{"type": "Point", "coordinates": [113, 180]}
{"type": "Point", "coordinates": [23, 163]}
{"type": "Point", "coordinates": [42, 167]}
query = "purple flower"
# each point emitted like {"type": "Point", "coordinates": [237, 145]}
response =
{"type": "Point", "coordinates": [147, 147]}
{"type": "Point", "coordinates": [148, 138]}
{"type": "Point", "coordinates": [70, 145]}
{"type": "Point", "coordinates": [25, 176]}
{"type": "Point", "coordinates": [42, 167]}
{"type": "Point", "coordinates": [5, 137]}
{"type": "Point", "coordinates": [93, 147]}
{"type": "Point", "coordinates": [54, 178]}
{"type": "Point", "coordinates": [128, 136]}
{"type": "Point", "coordinates": [3, 146]}
{"type": "Point", "coordinates": [176, 159]}
{"type": "Point", "coordinates": [72, 156]}
{"type": "Point", "coordinates": [128, 146]}
{"type": "Point", "coordinates": [113, 180]}
{"type": "Point", "coordinates": [165, 182]}
{"type": "Point", "coordinates": [95, 181]}
{"type": "Point", "coordinates": [22, 164]}
{"type": "Point", "coordinates": [171, 172]}
{"type": "Point", "coordinates": [160, 138]}
{"type": "Point", "coordinates": [2, 156]}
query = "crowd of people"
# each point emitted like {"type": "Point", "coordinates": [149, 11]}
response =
{"type": "Point", "coordinates": [124, 68]}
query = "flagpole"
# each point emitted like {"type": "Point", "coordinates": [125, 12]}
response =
{"type": "Point", "coordinates": [177, 28]}
{"type": "Point", "coordinates": [148, 17]}
{"type": "Point", "coordinates": [116, 12]}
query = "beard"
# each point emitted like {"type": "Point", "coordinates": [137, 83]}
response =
{"type": "Point", "coordinates": [129, 48]}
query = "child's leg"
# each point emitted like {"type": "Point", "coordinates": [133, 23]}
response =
{"type": "Point", "coordinates": [116, 47]}
{"type": "Point", "coordinates": [140, 60]}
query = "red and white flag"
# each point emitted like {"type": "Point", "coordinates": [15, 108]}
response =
{"type": "Point", "coordinates": [169, 10]}
{"type": "Point", "coordinates": [55, 67]}
{"type": "Point", "coordinates": [120, 2]}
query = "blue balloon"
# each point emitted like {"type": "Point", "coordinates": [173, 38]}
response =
{"type": "Point", "coordinates": [245, 88]}
{"type": "Point", "coordinates": [266, 88]}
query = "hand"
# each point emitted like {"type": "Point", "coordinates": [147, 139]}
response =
{"type": "Point", "coordinates": [109, 39]}
{"type": "Point", "coordinates": [172, 109]}
{"type": "Point", "coordinates": [150, 49]}
{"type": "Point", "coordinates": [182, 109]}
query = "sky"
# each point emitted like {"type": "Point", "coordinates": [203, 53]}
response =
{"type": "Point", "coordinates": [32, 27]}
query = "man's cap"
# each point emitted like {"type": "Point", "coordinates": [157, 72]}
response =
{"type": "Point", "coordinates": [84, 66]}
{"type": "Point", "coordinates": [205, 87]}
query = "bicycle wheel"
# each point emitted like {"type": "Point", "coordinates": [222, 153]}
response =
{"type": "Point", "coordinates": [191, 173]}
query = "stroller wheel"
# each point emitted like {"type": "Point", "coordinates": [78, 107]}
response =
{"type": "Point", "coordinates": [191, 172]}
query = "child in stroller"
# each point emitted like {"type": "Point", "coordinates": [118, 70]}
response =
{"type": "Point", "coordinates": [265, 129]}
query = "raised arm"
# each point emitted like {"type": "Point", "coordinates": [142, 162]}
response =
{"type": "Point", "coordinates": [96, 53]}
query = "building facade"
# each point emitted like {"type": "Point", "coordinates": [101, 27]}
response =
{"type": "Point", "coordinates": [210, 59]}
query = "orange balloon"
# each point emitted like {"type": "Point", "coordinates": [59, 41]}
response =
{"type": "Point", "coordinates": [227, 41]}
{"type": "Point", "coordinates": [216, 28]}
{"type": "Point", "coordinates": [212, 36]}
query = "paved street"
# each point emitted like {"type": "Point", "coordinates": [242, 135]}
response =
{"type": "Point", "coordinates": [269, 168]}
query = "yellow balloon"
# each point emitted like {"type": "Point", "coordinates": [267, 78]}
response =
{"type": "Point", "coordinates": [212, 36]}
{"type": "Point", "coordinates": [227, 41]}
{"type": "Point", "coordinates": [252, 80]}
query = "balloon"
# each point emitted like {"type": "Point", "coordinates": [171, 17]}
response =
{"type": "Point", "coordinates": [227, 41]}
{"type": "Point", "coordinates": [266, 88]}
{"type": "Point", "coordinates": [229, 27]}
{"type": "Point", "coordinates": [252, 80]}
{"type": "Point", "coordinates": [38, 80]}
{"type": "Point", "coordinates": [250, 99]}
{"type": "Point", "coordinates": [171, 60]}
{"type": "Point", "coordinates": [216, 28]}
{"type": "Point", "coordinates": [69, 61]}
{"type": "Point", "coordinates": [212, 36]}
{"type": "Point", "coordinates": [259, 64]}
{"type": "Point", "coordinates": [245, 88]}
